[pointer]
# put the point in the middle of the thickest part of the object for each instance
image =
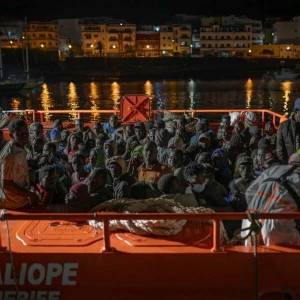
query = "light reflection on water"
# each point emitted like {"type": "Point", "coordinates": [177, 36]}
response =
{"type": "Point", "coordinates": [164, 94]}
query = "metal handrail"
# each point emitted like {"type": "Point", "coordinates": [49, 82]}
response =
{"type": "Point", "coordinates": [105, 217]}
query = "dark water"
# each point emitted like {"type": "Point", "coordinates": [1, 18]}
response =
{"type": "Point", "coordinates": [165, 94]}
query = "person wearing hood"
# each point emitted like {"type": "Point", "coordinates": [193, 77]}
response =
{"type": "Point", "coordinates": [110, 149]}
{"type": "Point", "coordinates": [220, 163]}
{"type": "Point", "coordinates": [122, 181]}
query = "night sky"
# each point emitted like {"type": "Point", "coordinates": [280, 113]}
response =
{"type": "Point", "coordinates": [147, 11]}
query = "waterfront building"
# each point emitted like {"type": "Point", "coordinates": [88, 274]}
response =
{"type": "Point", "coordinates": [11, 33]}
{"type": "Point", "coordinates": [148, 41]}
{"type": "Point", "coordinates": [287, 31]}
{"type": "Point", "coordinates": [93, 37]}
{"type": "Point", "coordinates": [226, 40]}
{"type": "Point", "coordinates": [166, 40]}
{"type": "Point", "coordinates": [43, 35]}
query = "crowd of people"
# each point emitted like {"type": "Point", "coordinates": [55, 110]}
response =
{"type": "Point", "coordinates": [227, 170]}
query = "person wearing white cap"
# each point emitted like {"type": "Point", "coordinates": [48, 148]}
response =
{"type": "Point", "coordinates": [288, 135]}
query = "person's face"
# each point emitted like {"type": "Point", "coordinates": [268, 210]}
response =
{"type": "Point", "coordinates": [297, 115]}
{"type": "Point", "coordinates": [269, 129]}
{"type": "Point", "coordinates": [77, 164]}
{"type": "Point", "coordinates": [176, 187]}
{"type": "Point", "coordinates": [113, 121]}
{"type": "Point", "coordinates": [204, 143]}
{"type": "Point", "coordinates": [64, 136]}
{"type": "Point", "coordinates": [209, 177]}
{"type": "Point", "coordinates": [94, 183]}
{"type": "Point", "coordinates": [79, 124]}
{"type": "Point", "coordinates": [21, 135]}
{"type": "Point", "coordinates": [47, 149]}
{"type": "Point", "coordinates": [244, 170]}
{"type": "Point", "coordinates": [261, 154]}
{"type": "Point", "coordinates": [217, 162]}
{"type": "Point", "coordinates": [139, 132]}
{"type": "Point", "coordinates": [226, 134]}
{"type": "Point", "coordinates": [97, 128]}
{"type": "Point", "coordinates": [49, 180]}
{"type": "Point", "coordinates": [115, 170]}
{"type": "Point", "coordinates": [151, 135]}
{"type": "Point", "coordinates": [93, 157]}
{"type": "Point", "coordinates": [150, 152]}
{"type": "Point", "coordinates": [174, 160]}
{"type": "Point", "coordinates": [197, 179]}
{"type": "Point", "coordinates": [129, 131]}
{"type": "Point", "coordinates": [37, 131]}
{"type": "Point", "coordinates": [225, 122]}
{"type": "Point", "coordinates": [239, 127]}
{"type": "Point", "coordinates": [108, 150]}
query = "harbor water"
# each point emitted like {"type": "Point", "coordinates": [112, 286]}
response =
{"type": "Point", "coordinates": [164, 94]}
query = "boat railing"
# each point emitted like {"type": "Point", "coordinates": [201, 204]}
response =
{"type": "Point", "coordinates": [214, 115]}
{"type": "Point", "coordinates": [106, 217]}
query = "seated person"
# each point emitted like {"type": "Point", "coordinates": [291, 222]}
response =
{"type": "Point", "coordinates": [80, 173]}
{"type": "Point", "coordinates": [75, 200]}
{"type": "Point", "coordinates": [238, 186]}
{"type": "Point", "coordinates": [99, 191]}
{"type": "Point", "coordinates": [206, 195]}
{"type": "Point", "coordinates": [172, 188]}
{"type": "Point", "coordinates": [49, 187]}
{"type": "Point", "coordinates": [122, 181]}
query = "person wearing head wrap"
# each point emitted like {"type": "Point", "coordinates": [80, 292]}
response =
{"type": "Point", "coordinates": [238, 186]}
{"type": "Point", "coordinates": [110, 149]}
{"type": "Point", "coordinates": [122, 181]}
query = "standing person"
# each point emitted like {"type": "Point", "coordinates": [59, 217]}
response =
{"type": "Point", "coordinates": [86, 131]}
{"type": "Point", "coordinates": [14, 177]}
{"type": "Point", "coordinates": [288, 135]}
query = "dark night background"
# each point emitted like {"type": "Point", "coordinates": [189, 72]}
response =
{"type": "Point", "coordinates": [146, 12]}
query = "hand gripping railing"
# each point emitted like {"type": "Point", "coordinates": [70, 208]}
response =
{"type": "Point", "coordinates": [105, 217]}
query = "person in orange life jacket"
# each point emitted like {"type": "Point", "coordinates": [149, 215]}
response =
{"type": "Point", "coordinates": [151, 170]}
{"type": "Point", "coordinates": [206, 195]}
{"type": "Point", "coordinates": [14, 178]}
{"type": "Point", "coordinates": [80, 173]}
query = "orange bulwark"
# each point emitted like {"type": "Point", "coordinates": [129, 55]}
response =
{"type": "Point", "coordinates": [60, 256]}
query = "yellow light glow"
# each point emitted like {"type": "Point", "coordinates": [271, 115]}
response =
{"type": "Point", "coordinates": [286, 87]}
{"type": "Point", "coordinates": [46, 101]}
{"type": "Point", "coordinates": [249, 92]}
{"type": "Point", "coordinates": [115, 94]}
{"type": "Point", "coordinates": [73, 100]}
{"type": "Point", "coordinates": [94, 97]}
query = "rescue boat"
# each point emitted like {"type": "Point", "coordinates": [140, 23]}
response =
{"type": "Point", "coordinates": [65, 256]}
